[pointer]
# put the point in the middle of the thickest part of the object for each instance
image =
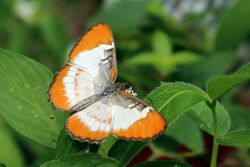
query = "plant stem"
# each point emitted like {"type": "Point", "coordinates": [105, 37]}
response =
{"type": "Point", "coordinates": [215, 145]}
{"type": "Point", "coordinates": [214, 153]}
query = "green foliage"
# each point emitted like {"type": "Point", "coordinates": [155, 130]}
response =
{"type": "Point", "coordinates": [207, 67]}
{"type": "Point", "coordinates": [9, 148]}
{"type": "Point", "coordinates": [168, 96]}
{"type": "Point", "coordinates": [55, 36]}
{"type": "Point", "coordinates": [137, 16]}
{"type": "Point", "coordinates": [162, 163]}
{"type": "Point", "coordinates": [84, 160]}
{"type": "Point", "coordinates": [161, 43]}
{"type": "Point", "coordinates": [26, 82]}
{"type": "Point", "coordinates": [66, 146]}
{"type": "Point", "coordinates": [202, 115]}
{"type": "Point", "coordinates": [124, 151]}
{"type": "Point", "coordinates": [236, 18]}
{"type": "Point", "coordinates": [235, 138]}
{"type": "Point", "coordinates": [181, 130]}
{"type": "Point", "coordinates": [218, 85]}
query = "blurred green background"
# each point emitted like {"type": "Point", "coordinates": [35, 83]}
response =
{"type": "Point", "coordinates": [156, 40]}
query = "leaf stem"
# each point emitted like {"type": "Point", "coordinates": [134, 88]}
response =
{"type": "Point", "coordinates": [215, 148]}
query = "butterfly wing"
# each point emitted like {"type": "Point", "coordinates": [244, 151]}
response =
{"type": "Point", "coordinates": [92, 124]}
{"type": "Point", "coordinates": [92, 66]}
{"type": "Point", "coordinates": [121, 114]}
{"type": "Point", "coordinates": [133, 119]}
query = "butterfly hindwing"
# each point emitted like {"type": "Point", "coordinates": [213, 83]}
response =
{"type": "Point", "coordinates": [133, 119]}
{"type": "Point", "coordinates": [93, 124]}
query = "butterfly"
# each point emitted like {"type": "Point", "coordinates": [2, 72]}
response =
{"type": "Point", "coordinates": [86, 85]}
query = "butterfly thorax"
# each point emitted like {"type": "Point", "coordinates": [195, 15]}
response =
{"type": "Point", "coordinates": [118, 87]}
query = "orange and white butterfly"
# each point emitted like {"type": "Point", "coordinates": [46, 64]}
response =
{"type": "Point", "coordinates": [86, 85]}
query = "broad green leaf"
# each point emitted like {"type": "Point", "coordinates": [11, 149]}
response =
{"type": "Point", "coordinates": [161, 44]}
{"type": "Point", "coordinates": [169, 163]}
{"type": "Point", "coordinates": [105, 146]}
{"type": "Point", "coordinates": [67, 146]}
{"type": "Point", "coordinates": [181, 130]}
{"type": "Point", "coordinates": [124, 151]}
{"type": "Point", "coordinates": [10, 153]}
{"type": "Point", "coordinates": [234, 26]}
{"type": "Point", "coordinates": [24, 100]}
{"type": "Point", "coordinates": [199, 72]}
{"type": "Point", "coordinates": [239, 117]}
{"type": "Point", "coordinates": [83, 160]}
{"type": "Point", "coordinates": [173, 99]}
{"type": "Point", "coordinates": [134, 18]}
{"type": "Point", "coordinates": [235, 138]}
{"type": "Point", "coordinates": [218, 85]}
{"type": "Point", "coordinates": [202, 115]}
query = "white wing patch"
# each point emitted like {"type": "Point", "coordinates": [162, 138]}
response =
{"type": "Point", "coordinates": [90, 60]}
{"type": "Point", "coordinates": [124, 117]}
{"type": "Point", "coordinates": [79, 85]}
{"type": "Point", "coordinates": [124, 112]}
{"type": "Point", "coordinates": [97, 117]}
{"type": "Point", "coordinates": [92, 124]}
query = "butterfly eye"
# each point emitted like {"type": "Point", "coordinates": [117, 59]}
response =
{"type": "Point", "coordinates": [127, 85]}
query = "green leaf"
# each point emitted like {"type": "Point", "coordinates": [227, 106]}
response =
{"type": "Point", "coordinates": [24, 100]}
{"type": "Point", "coordinates": [124, 151]}
{"type": "Point", "coordinates": [201, 114]}
{"type": "Point", "coordinates": [240, 117]}
{"type": "Point", "coordinates": [55, 35]}
{"type": "Point", "coordinates": [10, 153]}
{"type": "Point", "coordinates": [236, 138]}
{"type": "Point", "coordinates": [137, 16]}
{"type": "Point", "coordinates": [173, 99]}
{"type": "Point", "coordinates": [181, 130]}
{"type": "Point", "coordinates": [161, 44]}
{"type": "Point", "coordinates": [199, 72]}
{"type": "Point", "coordinates": [105, 146]}
{"type": "Point", "coordinates": [67, 146]}
{"type": "Point", "coordinates": [83, 160]}
{"type": "Point", "coordinates": [218, 85]}
{"type": "Point", "coordinates": [163, 64]}
{"type": "Point", "coordinates": [234, 26]}
{"type": "Point", "coordinates": [169, 163]}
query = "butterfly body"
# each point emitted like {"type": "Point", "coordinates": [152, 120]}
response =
{"type": "Point", "coordinates": [86, 85]}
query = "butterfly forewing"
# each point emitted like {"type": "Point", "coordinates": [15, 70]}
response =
{"type": "Point", "coordinates": [92, 66]}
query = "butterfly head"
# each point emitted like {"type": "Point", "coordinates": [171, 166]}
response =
{"type": "Point", "coordinates": [126, 87]}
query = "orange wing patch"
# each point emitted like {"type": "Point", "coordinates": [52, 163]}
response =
{"type": "Point", "coordinates": [113, 73]}
{"type": "Point", "coordinates": [57, 91]}
{"type": "Point", "coordinates": [146, 128]}
{"type": "Point", "coordinates": [79, 130]}
{"type": "Point", "coordinates": [99, 34]}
